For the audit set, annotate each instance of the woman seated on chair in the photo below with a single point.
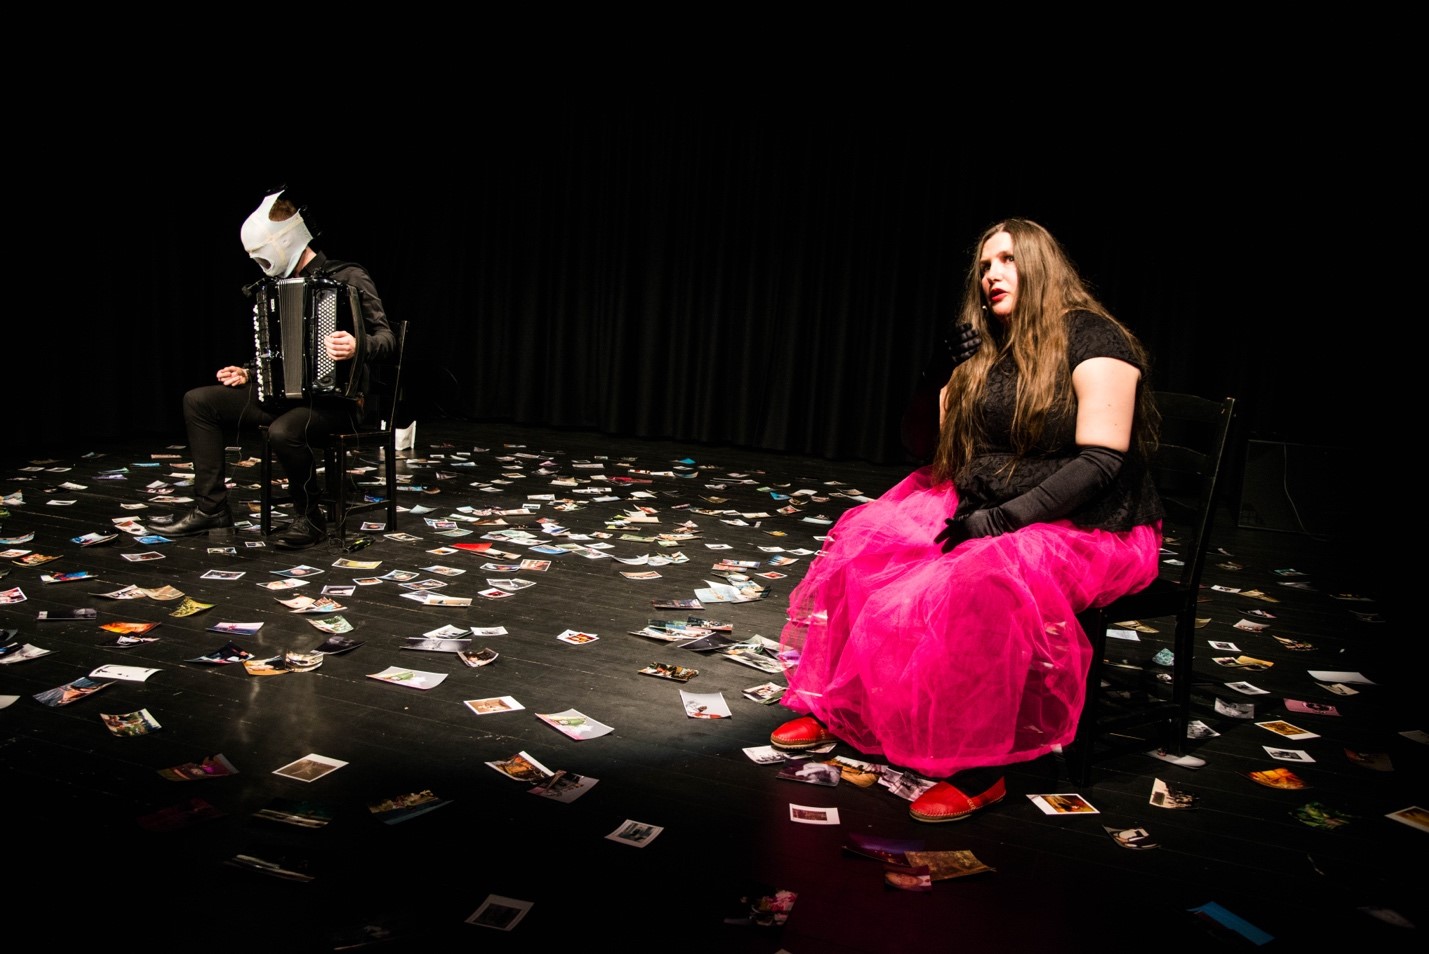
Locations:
(938, 627)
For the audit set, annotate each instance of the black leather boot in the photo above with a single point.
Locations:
(305, 531)
(196, 521)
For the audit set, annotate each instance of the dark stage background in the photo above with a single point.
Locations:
(759, 280)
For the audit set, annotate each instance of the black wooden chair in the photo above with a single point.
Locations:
(342, 499)
(1186, 468)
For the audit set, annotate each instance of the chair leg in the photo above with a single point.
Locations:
(391, 462)
(265, 482)
(1184, 643)
(337, 479)
(1079, 759)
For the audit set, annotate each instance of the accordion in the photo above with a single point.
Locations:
(291, 318)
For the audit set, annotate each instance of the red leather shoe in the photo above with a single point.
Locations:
(802, 733)
(945, 802)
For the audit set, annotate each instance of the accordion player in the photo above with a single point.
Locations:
(292, 317)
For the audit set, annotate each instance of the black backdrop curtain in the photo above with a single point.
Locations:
(766, 281)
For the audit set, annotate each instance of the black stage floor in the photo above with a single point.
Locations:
(89, 851)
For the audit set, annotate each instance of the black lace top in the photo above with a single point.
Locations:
(995, 474)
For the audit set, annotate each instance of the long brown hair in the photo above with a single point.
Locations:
(1048, 288)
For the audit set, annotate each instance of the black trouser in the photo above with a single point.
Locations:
(215, 414)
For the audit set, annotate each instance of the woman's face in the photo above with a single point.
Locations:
(999, 275)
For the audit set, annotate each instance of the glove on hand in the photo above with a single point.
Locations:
(960, 343)
(1060, 493)
(991, 522)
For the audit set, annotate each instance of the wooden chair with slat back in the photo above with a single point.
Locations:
(1186, 468)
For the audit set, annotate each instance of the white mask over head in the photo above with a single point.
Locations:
(275, 246)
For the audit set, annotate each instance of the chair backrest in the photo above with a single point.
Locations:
(1186, 468)
(387, 384)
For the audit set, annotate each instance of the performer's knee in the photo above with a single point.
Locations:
(199, 404)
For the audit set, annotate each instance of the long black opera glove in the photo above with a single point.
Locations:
(1060, 493)
(920, 418)
(960, 343)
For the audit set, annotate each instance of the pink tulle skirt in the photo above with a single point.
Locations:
(940, 662)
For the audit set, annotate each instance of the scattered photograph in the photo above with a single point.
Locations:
(811, 771)
(1235, 710)
(577, 638)
(476, 658)
(944, 865)
(1288, 755)
(401, 576)
(273, 869)
(810, 815)
(223, 656)
(500, 913)
(128, 629)
(765, 754)
(331, 624)
(1322, 675)
(564, 786)
(215, 766)
(1311, 708)
(1282, 778)
(1166, 795)
(297, 571)
(70, 692)
(493, 705)
(272, 666)
(1063, 804)
(635, 833)
(309, 768)
(1247, 689)
(1287, 730)
(890, 850)
(129, 724)
(125, 673)
(300, 814)
(766, 693)
(908, 877)
(669, 671)
(429, 645)
(1413, 816)
(66, 615)
(190, 607)
(522, 767)
(411, 678)
(392, 811)
(1137, 839)
(1196, 730)
(236, 629)
(758, 904)
(575, 724)
(1320, 815)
